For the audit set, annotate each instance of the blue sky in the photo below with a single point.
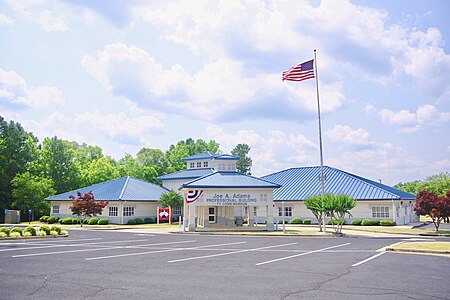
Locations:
(130, 74)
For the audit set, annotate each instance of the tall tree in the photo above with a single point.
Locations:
(57, 162)
(244, 164)
(100, 170)
(18, 149)
(29, 192)
(438, 184)
(153, 158)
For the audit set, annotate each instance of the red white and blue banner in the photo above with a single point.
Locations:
(163, 214)
(193, 195)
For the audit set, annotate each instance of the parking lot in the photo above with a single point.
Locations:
(117, 265)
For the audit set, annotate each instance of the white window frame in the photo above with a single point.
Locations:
(113, 211)
(177, 210)
(205, 164)
(128, 211)
(55, 209)
(287, 211)
(191, 165)
(380, 212)
(199, 164)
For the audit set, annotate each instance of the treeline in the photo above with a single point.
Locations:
(31, 171)
(437, 184)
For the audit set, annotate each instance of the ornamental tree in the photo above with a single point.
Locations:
(315, 204)
(171, 199)
(84, 205)
(434, 206)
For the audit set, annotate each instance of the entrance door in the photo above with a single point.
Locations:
(212, 215)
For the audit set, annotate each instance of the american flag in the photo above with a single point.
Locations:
(300, 72)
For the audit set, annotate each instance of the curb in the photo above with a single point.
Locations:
(33, 238)
(418, 251)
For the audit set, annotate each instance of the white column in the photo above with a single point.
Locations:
(191, 225)
(269, 214)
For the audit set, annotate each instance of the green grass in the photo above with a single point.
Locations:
(441, 246)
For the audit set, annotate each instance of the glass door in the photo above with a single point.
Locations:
(212, 215)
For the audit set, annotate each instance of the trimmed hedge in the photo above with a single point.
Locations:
(357, 222)
(30, 229)
(387, 223)
(16, 229)
(52, 220)
(55, 228)
(368, 222)
(93, 221)
(149, 221)
(44, 218)
(307, 221)
(5, 230)
(296, 221)
(45, 228)
(103, 221)
(131, 222)
(139, 221)
(336, 222)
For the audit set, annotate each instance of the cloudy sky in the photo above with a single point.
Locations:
(130, 74)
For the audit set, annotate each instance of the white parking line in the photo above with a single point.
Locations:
(301, 254)
(158, 251)
(368, 259)
(46, 242)
(69, 245)
(228, 253)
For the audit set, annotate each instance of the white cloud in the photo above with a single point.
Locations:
(425, 115)
(5, 20)
(14, 90)
(272, 152)
(369, 108)
(50, 23)
(347, 134)
(220, 90)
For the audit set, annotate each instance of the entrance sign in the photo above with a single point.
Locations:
(163, 214)
(235, 198)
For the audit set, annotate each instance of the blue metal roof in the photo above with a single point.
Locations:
(121, 189)
(210, 156)
(229, 180)
(299, 183)
(187, 174)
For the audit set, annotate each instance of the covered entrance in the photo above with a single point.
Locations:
(224, 198)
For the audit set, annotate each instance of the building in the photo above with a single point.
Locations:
(215, 193)
(129, 198)
(374, 200)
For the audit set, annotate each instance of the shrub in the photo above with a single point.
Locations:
(149, 221)
(335, 222)
(307, 221)
(41, 233)
(131, 222)
(66, 221)
(27, 233)
(139, 221)
(64, 232)
(45, 228)
(16, 229)
(2, 234)
(56, 228)
(280, 221)
(93, 221)
(375, 222)
(296, 221)
(44, 218)
(54, 233)
(51, 220)
(5, 230)
(356, 222)
(387, 223)
(367, 222)
(103, 221)
(30, 229)
(15, 234)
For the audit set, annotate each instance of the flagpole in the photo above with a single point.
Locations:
(320, 136)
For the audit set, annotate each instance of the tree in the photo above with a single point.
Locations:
(434, 206)
(336, 207)
(244, 164)
(29, 192)
(100, 170)
(153, 158)
(316, 205)
(84, 205)
(18, 149)
(438, 184)
(171, 200)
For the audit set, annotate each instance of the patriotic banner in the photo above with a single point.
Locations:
(193, 195)
(163, 214)
(300, 72)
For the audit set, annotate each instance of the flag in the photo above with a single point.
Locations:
(300, 72)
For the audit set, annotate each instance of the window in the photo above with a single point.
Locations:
(380, 212)
(205, 164)
(113, 211)
(176, 210)
(55, 209)
(191, 165)
(199, 164)
(230, 167)
(263, 197)
(128, 211)
(287, 211)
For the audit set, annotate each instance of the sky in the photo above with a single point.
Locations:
(124, 75)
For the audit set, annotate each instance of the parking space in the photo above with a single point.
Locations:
(110, 263)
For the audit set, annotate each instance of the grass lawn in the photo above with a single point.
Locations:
(441, 246)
